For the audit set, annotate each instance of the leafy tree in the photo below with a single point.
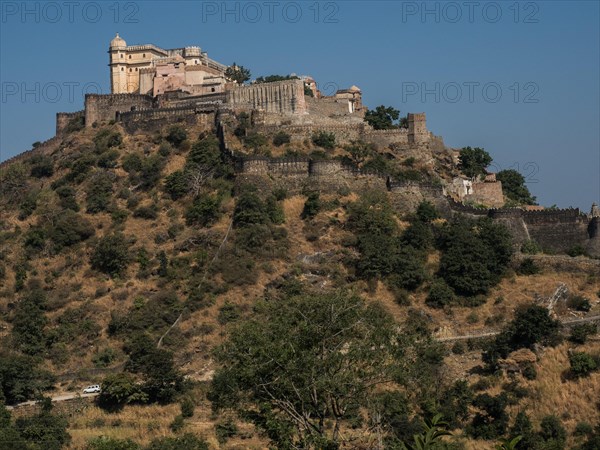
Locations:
(118, 390)
(553, 433)
(580, 333)
(473, 161)
(176, 135)
(474, 255)
(44, 430)
(426, 212)
(204, 211)
(582, 364)
(359, 151)
(249, 210)
(99, 192)
(492, 421)
(311, 206)
(382, 118)
(236, 73)
(177, 184)
(272, 78)
(29, 322)
(287, 356)
(523, 428)
(324, 139)
(111, 255)
(440, 295)
(513, 187)
(69, 229)
(20, 378)
(67, 199)
(455, 402)
(281, 138)
(41, 166)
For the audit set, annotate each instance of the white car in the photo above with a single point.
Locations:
(93, 389)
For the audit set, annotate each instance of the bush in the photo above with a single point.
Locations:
(579, 303)
(110, 443)
(249, 210)
(176, 184)
(69, 229)
(459, 348)
(41, 166)
(577, 250)
(528, 267)
(582, 364)
(225, 430)
(324, 139)
(311, 206)
(176, 135)
(106, 139)
(104, 357)
(118, 390)
(99, 192)
(580, 333)
(255, 141)
(281, 138)
(177, 424)
(132, 163)
(146, 212)
(440, 295)
(185, 442)
(531, 248)
(187, 407)
(67, 200)
(204, 211)
(111, 255)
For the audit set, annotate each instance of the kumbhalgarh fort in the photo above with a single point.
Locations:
(152, 87)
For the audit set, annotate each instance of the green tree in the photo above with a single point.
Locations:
(236, 73)
(29, 323)
(111, 255)
(324, 139)
(44, 430)
(513, 187)
(288, 356)
(311, 206)
(110, 443)
(177, 184)
(473, 161)
(382, 117)
(118, 390)
(176, 135)
(185, 442)
(582, 364)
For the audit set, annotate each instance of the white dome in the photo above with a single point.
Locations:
(118, 42)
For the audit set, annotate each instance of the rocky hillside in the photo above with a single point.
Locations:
(142, 263)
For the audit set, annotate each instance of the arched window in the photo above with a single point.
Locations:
(122, 69)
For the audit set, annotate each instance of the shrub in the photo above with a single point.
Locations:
(311, 206)
(99, 192)
(579, 303)
(528, 267)
(146, 212)
(176, 135)
(176, 184)
(106, 139)
(111, 255)
(249, 210)
(529, 371)
(582, 364)
(203, 211)
(255, 141)
(67, 200)
(440, 295)
(426, 212)
(577, 250)
(324, 139)
(459, 348)
(225, 430)
(132, 163)
(118, 390)
(281, 138)
(110, 443)
(187, 407)
(41, 166)
(104, 357)
(69, 229)
(185, 442)
(580, 333)
(531, 247)
(177, 424)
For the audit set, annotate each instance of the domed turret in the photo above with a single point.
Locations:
(118, 41)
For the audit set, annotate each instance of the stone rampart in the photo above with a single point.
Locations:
(63, 119)
(282, 97)
(104, 108)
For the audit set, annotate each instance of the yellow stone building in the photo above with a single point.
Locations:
(148, 69)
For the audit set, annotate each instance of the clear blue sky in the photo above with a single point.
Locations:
(521, 79)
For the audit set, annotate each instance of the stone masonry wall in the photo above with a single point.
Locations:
(104, 108)
(282, 97)
(63, 119)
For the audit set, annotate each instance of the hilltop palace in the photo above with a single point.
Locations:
(152, 87)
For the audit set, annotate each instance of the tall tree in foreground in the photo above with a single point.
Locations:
(302, 366)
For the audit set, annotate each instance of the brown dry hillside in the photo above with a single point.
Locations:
(105, 236)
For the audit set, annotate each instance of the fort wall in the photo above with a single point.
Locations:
(63, 120)
(104, 108)
(281, 97)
